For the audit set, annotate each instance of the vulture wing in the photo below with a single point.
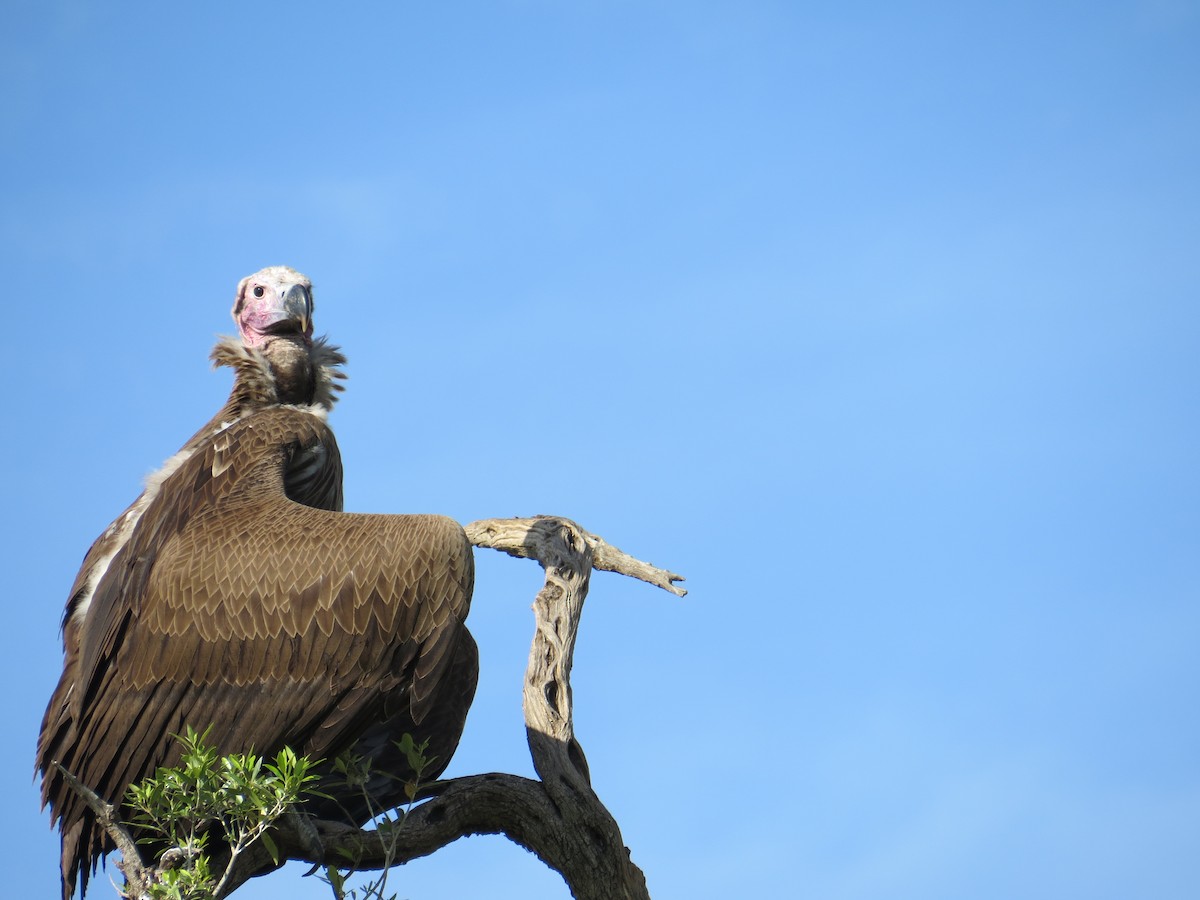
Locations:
(238, 602)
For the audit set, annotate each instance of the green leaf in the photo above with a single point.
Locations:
(269, 843)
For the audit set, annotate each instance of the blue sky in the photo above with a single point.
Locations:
(876, 321)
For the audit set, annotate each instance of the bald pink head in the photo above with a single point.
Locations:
(273, 301)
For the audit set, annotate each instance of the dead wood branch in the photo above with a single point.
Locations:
(138, 877)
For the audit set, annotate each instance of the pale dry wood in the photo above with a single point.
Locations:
(559, 818)
(138, 877)
(508, 535)
(600, 865)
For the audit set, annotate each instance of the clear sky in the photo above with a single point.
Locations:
(878, 321)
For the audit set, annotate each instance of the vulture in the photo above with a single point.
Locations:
(235, 593)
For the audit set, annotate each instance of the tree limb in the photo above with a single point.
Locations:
(138, 877)
(507, 535)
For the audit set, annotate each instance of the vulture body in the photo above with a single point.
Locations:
(235, 593)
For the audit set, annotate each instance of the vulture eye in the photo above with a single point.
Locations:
(258, 291)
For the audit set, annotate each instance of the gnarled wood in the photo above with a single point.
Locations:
(559, 817)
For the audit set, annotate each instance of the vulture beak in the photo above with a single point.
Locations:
(297, 307)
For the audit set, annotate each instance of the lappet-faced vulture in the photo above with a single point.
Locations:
(234, 593)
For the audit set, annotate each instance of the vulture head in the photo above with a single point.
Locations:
(274, 302)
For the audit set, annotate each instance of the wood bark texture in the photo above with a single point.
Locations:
(559, 817)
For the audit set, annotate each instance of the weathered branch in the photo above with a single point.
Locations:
(138, 877)
(507, 535)
(559, 817)
(597, 864)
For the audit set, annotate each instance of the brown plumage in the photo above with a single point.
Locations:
(235, 593)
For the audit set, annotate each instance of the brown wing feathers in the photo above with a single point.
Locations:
(236, 607)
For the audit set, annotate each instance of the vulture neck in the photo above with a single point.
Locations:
(286, 371)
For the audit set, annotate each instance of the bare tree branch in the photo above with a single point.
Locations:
(138, 876)
(507, 536)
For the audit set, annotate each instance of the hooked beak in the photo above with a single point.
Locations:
(298, 307)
